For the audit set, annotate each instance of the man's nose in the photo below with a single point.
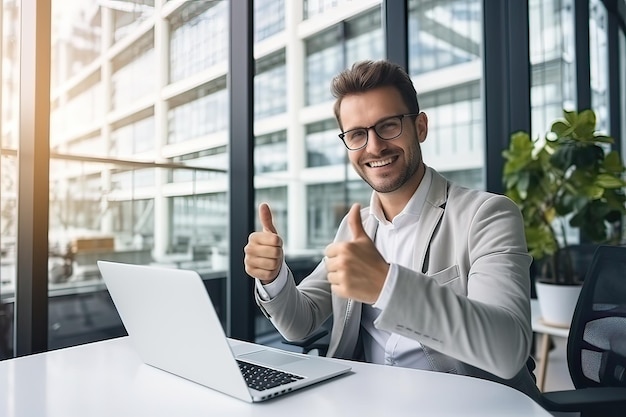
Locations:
(374, 143)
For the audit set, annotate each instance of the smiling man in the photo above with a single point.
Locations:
(430, 276)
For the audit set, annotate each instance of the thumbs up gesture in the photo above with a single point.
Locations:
(264, 251)
(355, 268)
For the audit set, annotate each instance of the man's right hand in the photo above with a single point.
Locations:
(264, 251)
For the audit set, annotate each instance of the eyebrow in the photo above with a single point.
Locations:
(378, 121)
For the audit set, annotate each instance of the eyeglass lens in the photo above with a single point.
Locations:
(387, 129)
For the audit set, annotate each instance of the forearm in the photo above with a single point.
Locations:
(483, 329)
(297, 311)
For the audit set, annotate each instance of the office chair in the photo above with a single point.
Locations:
(315, 342)
(318, 341)
(596, 346)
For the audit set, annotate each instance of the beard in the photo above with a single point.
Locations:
(389, 184)
(396, 180)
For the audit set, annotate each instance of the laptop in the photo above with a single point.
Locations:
(173, 326)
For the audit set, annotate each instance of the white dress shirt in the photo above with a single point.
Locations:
(395, 241)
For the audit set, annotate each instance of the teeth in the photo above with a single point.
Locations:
(376, 164)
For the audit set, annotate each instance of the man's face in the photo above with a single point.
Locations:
(386, 165)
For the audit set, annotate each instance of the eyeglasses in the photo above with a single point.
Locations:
(387, 129)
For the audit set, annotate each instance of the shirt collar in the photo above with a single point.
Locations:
(413, 207)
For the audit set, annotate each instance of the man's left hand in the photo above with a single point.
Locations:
(355, 268)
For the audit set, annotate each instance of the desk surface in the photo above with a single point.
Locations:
(107, 379)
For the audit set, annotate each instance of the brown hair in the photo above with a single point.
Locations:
(368, 75)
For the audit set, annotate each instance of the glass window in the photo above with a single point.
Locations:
(455, 137)
(198, 37)
(599, 64)
(313, 8)
(9, 141)
(323, 146)
(269, 18)
(327, 204)
(552, 53)
(553, 67)
(338, 47)
(128, 15)
(88, 145)
(78, 52)
(443, 34)
(270, 86)
(133, 138)
(134, 223)
(133, 73)
(445, 43)
(198, 112)
(138, 169)
(324, 59)
(199, 231)
(270, 152)
(78, 108)
(364, 37)
(211, 163)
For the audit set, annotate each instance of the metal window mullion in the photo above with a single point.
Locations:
(395, 29)
(506, 81)
(239, 294)
(31, 298)
(615, 87)
(583, 64)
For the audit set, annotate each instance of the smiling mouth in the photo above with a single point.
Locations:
(380, 163)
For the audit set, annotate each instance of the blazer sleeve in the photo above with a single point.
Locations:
(477, 310)
(296, 312)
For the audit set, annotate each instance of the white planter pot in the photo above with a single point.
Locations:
(557, 302)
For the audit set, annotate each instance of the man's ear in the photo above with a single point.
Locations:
(421, 126)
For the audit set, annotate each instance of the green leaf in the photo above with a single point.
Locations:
(522, 184)
(571, 117)
(613, 163)
(609, 181)
(603, 139)
(593, 192)
(561, 129)
(585, 126)
(587, 156)
(563, 157)
(587, 117)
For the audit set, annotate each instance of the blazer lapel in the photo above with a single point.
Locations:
(347, 314)
(430, 218)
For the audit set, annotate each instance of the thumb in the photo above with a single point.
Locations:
(354, 221)
(265, 215)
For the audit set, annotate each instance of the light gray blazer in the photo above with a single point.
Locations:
(467, 301)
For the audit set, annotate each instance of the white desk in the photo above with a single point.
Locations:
(546, 330)
(107, 379)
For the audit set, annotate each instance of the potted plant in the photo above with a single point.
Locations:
(566, 177)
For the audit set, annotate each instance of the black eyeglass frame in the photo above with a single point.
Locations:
(367, 130)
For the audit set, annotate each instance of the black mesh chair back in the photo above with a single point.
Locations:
(596, 346)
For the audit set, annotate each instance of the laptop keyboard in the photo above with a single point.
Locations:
(261, 378)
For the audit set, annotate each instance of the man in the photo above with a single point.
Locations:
(430, 276)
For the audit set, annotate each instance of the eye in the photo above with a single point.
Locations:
(356, 135)
(388, 125)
